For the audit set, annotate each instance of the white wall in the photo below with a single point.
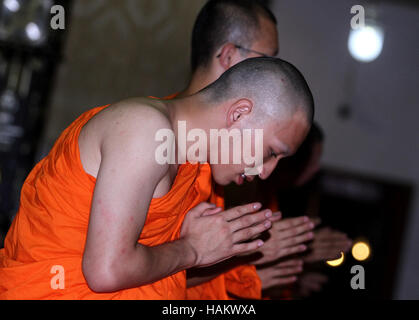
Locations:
(381, 137)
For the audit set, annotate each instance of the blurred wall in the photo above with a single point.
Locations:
(120, 49)
(381, 136)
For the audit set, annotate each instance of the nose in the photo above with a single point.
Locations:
(268, 167)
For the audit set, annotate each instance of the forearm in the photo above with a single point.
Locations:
(197, 276)
(144, 265)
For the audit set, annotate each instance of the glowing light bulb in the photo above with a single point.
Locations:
(366, 43)
(361, 251)
(33, 32)
(12, 5)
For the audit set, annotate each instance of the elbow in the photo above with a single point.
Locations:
(99, 278)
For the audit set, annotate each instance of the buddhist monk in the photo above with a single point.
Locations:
(102, 217)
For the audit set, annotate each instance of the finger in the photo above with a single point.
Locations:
(285, 281)
(332, 236)
(209, 212)
(317, 277)
(292, 250)
(292, 241)
(322, 255)
(295, 231)
(330, 233)
(337, 246)
(282, 272)
(250, 232)
(289, 223)
(276, 216)
(239, 211)
(290, 263)
(200, 208)
(248, 247)
(312, 286)
(250, 220)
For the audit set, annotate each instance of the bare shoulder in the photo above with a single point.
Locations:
(136, 115)
(124, 129)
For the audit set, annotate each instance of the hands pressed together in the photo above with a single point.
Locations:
(213, 235)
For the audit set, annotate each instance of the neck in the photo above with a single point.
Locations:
(200, 79)
(190, 113)
(190, 109)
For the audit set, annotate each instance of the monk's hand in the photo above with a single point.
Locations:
(310, 282)
(286, 237)
(327, 245)
(280, 274)
(214, 235)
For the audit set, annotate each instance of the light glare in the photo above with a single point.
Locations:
(12, 5)
(361, 251)
(336, 262)
(366, 43)
(33, 31)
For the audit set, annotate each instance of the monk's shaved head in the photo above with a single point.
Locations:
(226, 21)
(276, 88)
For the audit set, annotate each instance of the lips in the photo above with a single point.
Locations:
(239, 180)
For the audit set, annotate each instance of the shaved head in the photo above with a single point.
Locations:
(226, 21)
(276, 88)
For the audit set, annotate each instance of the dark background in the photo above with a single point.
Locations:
(111, 50)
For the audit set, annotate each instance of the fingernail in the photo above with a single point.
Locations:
(268, 214)
(303, 247)
(260, 243)
(257, 206)
(311, 235)
(277, 214)
(306, 219)
(267, 224)
(311, 225)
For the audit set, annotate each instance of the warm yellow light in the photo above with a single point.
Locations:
(336, 262)
(361, 251)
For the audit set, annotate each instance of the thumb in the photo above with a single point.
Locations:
(210, 211)
(198, 210)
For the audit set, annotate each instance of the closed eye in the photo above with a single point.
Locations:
(274, 155)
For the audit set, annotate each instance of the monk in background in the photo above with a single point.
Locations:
(118, 224)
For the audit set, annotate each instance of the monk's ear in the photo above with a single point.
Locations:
(227, 56)
(238, 110)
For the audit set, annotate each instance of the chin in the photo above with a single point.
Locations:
(220, 179)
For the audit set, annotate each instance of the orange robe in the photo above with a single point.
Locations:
(241, 282)
(50, 227)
